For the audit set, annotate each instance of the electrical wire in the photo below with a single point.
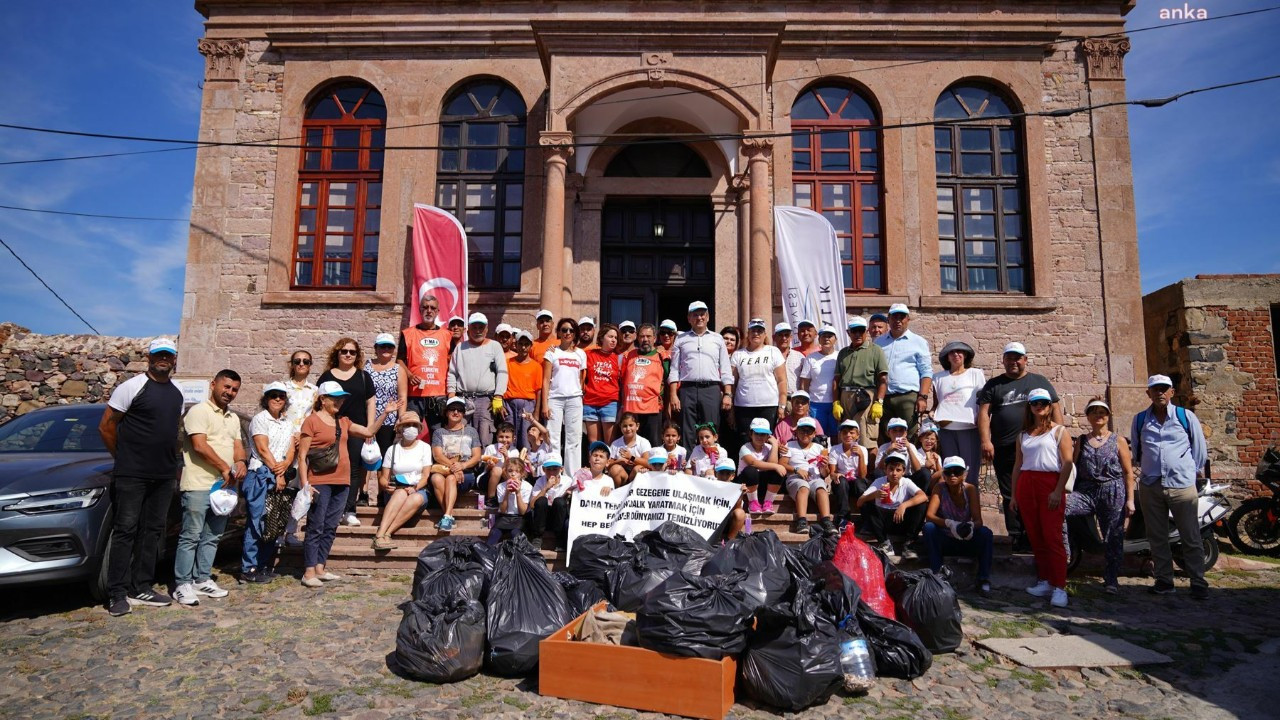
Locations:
(91, 215)
(46, 286)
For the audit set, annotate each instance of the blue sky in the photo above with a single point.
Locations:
(1206, 168)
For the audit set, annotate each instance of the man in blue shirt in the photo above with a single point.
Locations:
(1171, 451)
(910, 369)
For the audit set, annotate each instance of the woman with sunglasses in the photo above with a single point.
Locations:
(390, 384)
(563, 376)
(345, 361)
(302, 392)
(270, 455)
(953, 523)
(1040, 472)
(1105, 484)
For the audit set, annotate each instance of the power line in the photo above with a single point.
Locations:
(91, 215)
(46, 286)
(274, 142)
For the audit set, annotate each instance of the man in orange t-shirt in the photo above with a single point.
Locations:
(423, 352)
(524, 388)
(544, 320)
(644, 375)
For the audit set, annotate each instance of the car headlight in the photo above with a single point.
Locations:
(57, 501)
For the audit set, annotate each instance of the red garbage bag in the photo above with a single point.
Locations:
(856, 559)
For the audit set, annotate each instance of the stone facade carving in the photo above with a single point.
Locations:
(224, 58)
(1105, 57)
(757, 147)
(557, 143)
(654, 62)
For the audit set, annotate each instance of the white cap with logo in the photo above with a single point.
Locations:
(162, 344)
(384, 339)
(477, 318)
(1015, 347)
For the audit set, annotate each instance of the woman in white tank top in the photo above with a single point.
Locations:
(1040, 474)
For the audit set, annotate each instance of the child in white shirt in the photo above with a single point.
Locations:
(495, 457)
(807, 466)
(703, 459)
(677, 457)
(628, 452)
(848, 468)
(552, 495)
(513, 496)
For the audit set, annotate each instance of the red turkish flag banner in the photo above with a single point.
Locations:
(439, 262)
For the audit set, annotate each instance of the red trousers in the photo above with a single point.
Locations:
(1044, 526)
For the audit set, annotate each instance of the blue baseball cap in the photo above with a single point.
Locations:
(597, 445)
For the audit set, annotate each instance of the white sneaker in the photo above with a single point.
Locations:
(1059, 598)
(1040, 589)
(886, 547)
(329, 577)
(185, 594)
(210, 588)
(352, 520)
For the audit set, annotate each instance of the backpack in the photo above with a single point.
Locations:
(1141, 418)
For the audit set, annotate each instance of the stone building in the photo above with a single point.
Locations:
(1215, 337)
(618, 159)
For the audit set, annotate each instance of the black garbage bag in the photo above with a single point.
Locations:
(581, 594)
(441, 640)
(678, 544)
(820, 546)
(763, 558)
(442, 553)
(798, 564)
(638, 573)
(593, 556)
(485, 555)
(837, 595)
(897, 650)
(446, 569)
(696, 616)
(792, 660)
(524, 605)
(926, 602)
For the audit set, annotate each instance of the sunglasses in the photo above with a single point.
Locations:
(348, 352)
(564, 330)
(1039, 403)
(162, 355)
(453, 408)
(301, 362)
(276, 396)
(857, 331)
(380, 347)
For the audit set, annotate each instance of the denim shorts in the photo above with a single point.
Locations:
(601, 413)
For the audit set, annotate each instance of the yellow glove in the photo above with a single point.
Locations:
(877, 411)
(497, 405)
(837, 410)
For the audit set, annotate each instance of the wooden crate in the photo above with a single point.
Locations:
(634, 677)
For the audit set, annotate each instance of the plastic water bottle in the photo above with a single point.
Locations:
(855, 663)
(747, 528)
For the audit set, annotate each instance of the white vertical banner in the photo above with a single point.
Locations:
(809, 269)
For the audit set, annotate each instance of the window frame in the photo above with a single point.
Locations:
(362, 266)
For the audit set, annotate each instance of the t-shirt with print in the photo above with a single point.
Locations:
(604, 378)
(507, 504)
(810, 457)
(703, 462)
(407, 463)
(848, 464)
(820, 371)
(958, 398)
(147, 436)
(566, 371)
(1008, 400)
(638, 447)
(456, 444)
(322, 436)
(756, 386)
(904, 492)
(536, 455)
(748, 450)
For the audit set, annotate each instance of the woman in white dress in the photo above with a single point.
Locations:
(955, 406)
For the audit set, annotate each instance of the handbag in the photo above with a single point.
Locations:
(277, 513)
(325, 460)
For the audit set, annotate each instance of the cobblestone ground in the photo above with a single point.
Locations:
(283, 651)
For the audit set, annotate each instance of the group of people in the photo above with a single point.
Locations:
(868, 434)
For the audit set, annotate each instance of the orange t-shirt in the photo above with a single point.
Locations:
(524, 379)
(642, 377)
(427, 356)
(322, 436)
(540, 347)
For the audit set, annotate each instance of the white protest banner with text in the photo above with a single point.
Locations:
(591, 513)
(699, 504)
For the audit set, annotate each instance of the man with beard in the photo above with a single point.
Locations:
(423, 354)
(644, 374)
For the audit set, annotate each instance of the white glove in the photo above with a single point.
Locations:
(951, 528)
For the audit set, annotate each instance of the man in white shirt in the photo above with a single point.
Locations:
(700, 384)
(791, 357)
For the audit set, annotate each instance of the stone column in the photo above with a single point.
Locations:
(559, 148)
(739, 192)
(1117, 228)
(759, 152)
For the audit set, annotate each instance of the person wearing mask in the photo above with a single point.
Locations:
(1104, 486)
(327, 475)
(861, 377)
(586, 333)
(878, 326)
(701, 383)
(1040, 472)
(390, 384)
(955, 405)
(644, 375)
(1171, 453)
(792, 359)
(1001, 408)
(423, 352)
(545, 322)
(403, 478)
(456, 450)
(359, 404)
(271, 453)
(953, 523)
(524, 387)
(478, 374)
(759, 384)
(818, 378)
(732, 338)
(140, 430)
(667, 332)
(910, 378)
(213, 456)
(626, 338)
(785, 430)
(563, 375)
(603, 387)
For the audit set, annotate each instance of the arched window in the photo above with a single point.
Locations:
(340, 188)
(481, 177)
(982, 229)
(835, 170)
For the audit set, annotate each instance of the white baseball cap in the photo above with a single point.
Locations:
(954, 461)
(626, 324)
(1039, 394)
(658, 456)
(761, 426)
(457, 319)
(543, 313)
(827, 330)
(805, 321)
(524, 334)
(754, 323)
(668, 325)
(162, 344)
(455, 400)
(857, 321)
(586, 320)
(800, 394)
(1098, 403)
(897, 423)
(552, 460)
(503, 328)
(899, 308)
(384, 339)
(850, 423)
(807, 422)
(222, 501)
(697, 305)
(782, 327)
(332, 388)
(1015, 347)
(896, 455)
(275, 386)
(477, 318)
(1159, 380)
(725, 465)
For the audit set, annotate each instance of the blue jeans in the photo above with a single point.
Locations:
(322, 523)
(942, 544)
(198, 541)
(257, 553)
(824, 413)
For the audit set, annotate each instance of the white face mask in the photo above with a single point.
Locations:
(410, 433)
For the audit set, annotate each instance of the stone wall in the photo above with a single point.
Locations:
(42, 370)
(1213, 336)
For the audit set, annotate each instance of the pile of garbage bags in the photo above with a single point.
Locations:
(803, 621)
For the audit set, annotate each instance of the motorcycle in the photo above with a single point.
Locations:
(1083, 534)
(1255, 526)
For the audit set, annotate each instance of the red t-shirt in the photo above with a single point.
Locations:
(604, 373)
